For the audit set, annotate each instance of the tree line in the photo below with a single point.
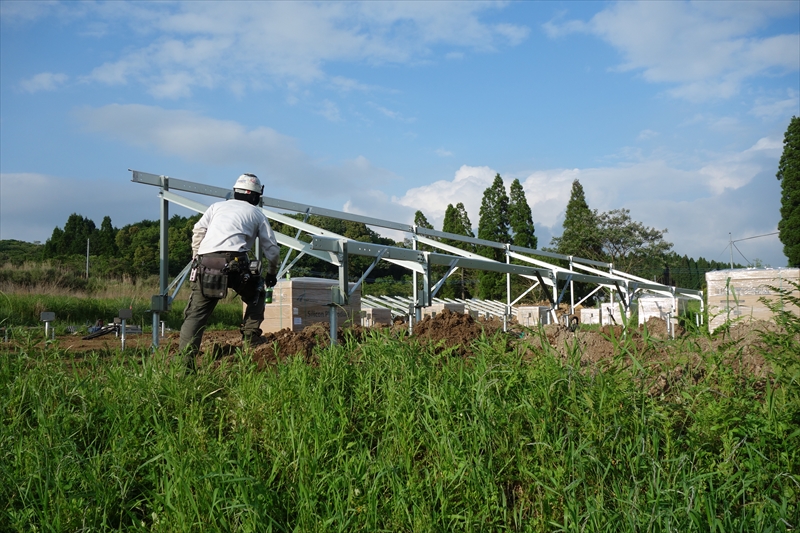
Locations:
(505, 217)
(131, 251)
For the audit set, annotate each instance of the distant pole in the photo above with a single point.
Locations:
(730, 244)
(87, 258)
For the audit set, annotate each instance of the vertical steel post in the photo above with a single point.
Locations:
(163, 246)
(334, 327)
(340, 292)
(675, 309)
(424, 296)
(571, 291)
(611, 307)
(414, 295)
(702, 310)
(155, 329)
(508, 290)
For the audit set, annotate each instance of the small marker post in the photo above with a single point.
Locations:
(47, 317)
(124, 314)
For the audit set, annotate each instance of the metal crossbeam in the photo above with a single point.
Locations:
(334, 249)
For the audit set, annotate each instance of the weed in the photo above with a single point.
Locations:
(392, 435)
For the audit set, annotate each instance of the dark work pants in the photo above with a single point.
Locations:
(195, 318)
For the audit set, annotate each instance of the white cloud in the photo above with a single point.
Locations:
(699, 206)
(558, 27)
(615, 186)
(441, 152)
(394, 115)
(32, 217)
(723, 124)
(14, 12)
(728, 175)
(377, 204)
(205, 44)
(514, 33)
(347, 84)
(714, 195)
(719, 124)
(773, 108)
(421, 24)
(732, 171)
(646, 135)
(467, 186)
(330, 111)
(173, 85)
(45, 81)
(708, 49)
(196, 138)
(118, 72)
(547, 193)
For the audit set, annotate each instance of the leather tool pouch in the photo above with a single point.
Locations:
(213, 276)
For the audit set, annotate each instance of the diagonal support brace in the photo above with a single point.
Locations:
(564, 290)
(621, 295)
(549, 297)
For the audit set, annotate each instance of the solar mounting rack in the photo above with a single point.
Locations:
(336, 249)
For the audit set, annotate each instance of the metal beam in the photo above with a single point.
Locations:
(181, 185)
(208, 190)
(336, 249)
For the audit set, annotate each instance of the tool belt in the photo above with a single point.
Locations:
(219, 270)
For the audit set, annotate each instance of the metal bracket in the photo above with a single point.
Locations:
(424, 295)
(564, 290)
(338, 248)
(621, 295)
(366, 273)
(549, 297)
(453, 268)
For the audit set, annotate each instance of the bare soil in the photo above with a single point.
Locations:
(741, 347)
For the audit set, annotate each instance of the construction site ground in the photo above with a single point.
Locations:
(741, 347)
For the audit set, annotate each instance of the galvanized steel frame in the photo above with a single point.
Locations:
(335, 249)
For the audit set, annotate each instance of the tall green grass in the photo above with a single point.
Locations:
(24, 310)
(388, 435)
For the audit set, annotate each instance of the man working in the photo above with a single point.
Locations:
(220, 242)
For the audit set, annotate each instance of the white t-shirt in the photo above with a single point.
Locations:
(232, 226)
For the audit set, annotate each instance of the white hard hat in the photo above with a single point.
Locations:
(248, 182)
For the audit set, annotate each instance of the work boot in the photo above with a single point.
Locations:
(253, 340)
(189, 363)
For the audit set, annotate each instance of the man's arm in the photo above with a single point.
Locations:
(199, 231)
(270, 250)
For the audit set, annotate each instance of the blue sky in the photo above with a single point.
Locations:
(674, 110)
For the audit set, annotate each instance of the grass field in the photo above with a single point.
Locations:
(24, 310)
(388, 435)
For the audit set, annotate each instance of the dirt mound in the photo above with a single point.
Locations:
(657, 328)
(280, 345)
(741, 347)
(449, 330)
(744, 340)
(593, 346)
